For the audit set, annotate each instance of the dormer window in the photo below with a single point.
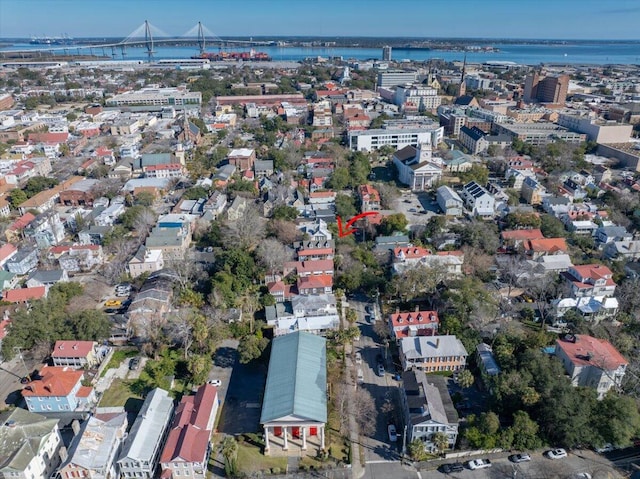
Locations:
(410, 318)
(419, 317)
(400, 320)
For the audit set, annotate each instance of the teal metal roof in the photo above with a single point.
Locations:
(297, 378)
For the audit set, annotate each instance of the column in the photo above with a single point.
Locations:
(266, 438)
(284, 434)
(322, 437)
(304, 437)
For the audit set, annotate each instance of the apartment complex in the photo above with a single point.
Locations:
(157, 97)
(397, 138)
(549, 89)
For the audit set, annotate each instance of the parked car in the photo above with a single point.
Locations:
(517, 458)
(558, 453)
(479, 464)
(134, 363)
(605, 448)
(215, 382)
(583, 475)
(380, 370)
(113, 303)
(358, 358)
(393, 436)
(453, 467)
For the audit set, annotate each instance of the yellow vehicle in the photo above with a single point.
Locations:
(527, 298)
(113, 303)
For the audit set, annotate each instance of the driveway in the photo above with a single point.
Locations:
(241, 391)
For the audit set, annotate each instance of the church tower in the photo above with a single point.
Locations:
(462, 90)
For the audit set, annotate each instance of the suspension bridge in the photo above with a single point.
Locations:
(146, 36)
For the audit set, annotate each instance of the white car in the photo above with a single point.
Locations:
(393, 435)
(479, 464)
(358, 358)
(558, 453)
(215, 382)
(360, 376)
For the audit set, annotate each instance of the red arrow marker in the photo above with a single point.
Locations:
(347, 229)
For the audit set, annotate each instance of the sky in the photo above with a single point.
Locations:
(529, 19)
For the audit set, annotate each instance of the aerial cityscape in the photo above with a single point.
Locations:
(346, 240)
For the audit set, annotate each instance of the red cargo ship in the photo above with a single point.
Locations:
(250, 56)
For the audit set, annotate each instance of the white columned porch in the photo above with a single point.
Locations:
(284, 434)
(304, 437)
(266, 438)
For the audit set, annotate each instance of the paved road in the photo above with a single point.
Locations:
(10, 374)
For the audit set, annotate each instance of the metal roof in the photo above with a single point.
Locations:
(149, 427)
(297, 379)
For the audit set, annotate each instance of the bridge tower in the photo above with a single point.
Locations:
(148, 39)
(201, 38)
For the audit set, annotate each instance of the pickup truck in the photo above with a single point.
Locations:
(479, 464)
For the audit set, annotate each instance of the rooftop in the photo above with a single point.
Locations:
(590, 351)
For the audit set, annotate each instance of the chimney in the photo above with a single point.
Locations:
(417, 308)
(397, 310)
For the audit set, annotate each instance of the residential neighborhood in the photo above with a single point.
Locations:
(332, 267)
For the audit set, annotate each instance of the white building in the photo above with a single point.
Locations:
(29, 445)
(146, 261)
(417, 168)
(478, 199)
(449, 201)
(397, 138)
(157, 97)
(391, 78)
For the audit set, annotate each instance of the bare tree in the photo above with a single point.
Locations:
(285, 231)
(366, 414)
(187, 270)
(247, 230)
(273, 254)
(541, 290)
(144, 222)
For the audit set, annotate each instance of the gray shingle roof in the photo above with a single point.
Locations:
(297, 379)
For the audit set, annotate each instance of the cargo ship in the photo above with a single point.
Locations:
(250, 56)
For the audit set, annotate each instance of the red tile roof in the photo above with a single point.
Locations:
(315, 281)
(84, 392)
(54, 381)
(322, 194)
(24, 294)
(4, 328)
(415, 318)
(7, 250)
(58, 250)
(411, 252)
(315, 251)
(521, 235)
(603, 354)
(547, 245)
(594, 271)
(22, 222)
(72, 349)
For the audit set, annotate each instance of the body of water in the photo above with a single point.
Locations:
(527, 54)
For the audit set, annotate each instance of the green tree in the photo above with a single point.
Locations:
(617, 419)
(229, 451)
(417, 451)
(284, 212)
(525, 432)
(195, 193)
(340, 179)
(477, 173)
(145, 198)
(37, 184)
(522, 220)
(552, 227)
(345, 206)
(392, 223)
(17, 197)
(251, 347)
(465, 378)
(198, 366)
(441, 441)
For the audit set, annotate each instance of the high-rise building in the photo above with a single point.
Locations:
(550, 89)
(386, 53)
(392, 78)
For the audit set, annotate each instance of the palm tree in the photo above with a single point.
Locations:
(465, 378)
(229, 450)
(441, 441)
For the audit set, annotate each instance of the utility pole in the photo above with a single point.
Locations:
(26, 371)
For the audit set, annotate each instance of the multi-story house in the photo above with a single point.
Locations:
(29, 445)
(536, 248)
(93, 452)
(448, 262)
(417, 323)
(449, 201)
(532, 191)
(433, 353)
(145, 261)
(57, 389)
(591, 362)
(24, 261)
(142, 447)
(186, 452)
(315, 284)
(428, 409)
(314, 250)
(590, 280)
(315, 313)
(478, 199)
(242, 158)
(76, 258)
(76, 354)
(369, 198)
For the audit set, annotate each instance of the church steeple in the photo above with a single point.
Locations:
(462, 90)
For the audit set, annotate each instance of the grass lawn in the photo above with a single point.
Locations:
(118, 356)
(118, 394)
(251, 459)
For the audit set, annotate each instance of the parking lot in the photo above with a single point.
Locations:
(240, 392)
(417, 207)
(577, 462)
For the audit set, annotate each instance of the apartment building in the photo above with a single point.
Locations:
(397, 138)
(433, 353)
(157, 97)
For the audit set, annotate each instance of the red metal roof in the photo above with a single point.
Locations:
(54, 381)
(7, 250)
(603, 354)
(24, 294)
(22, 222)
(521, 235)
(72, 349)
(403, 320)
(315, 281)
